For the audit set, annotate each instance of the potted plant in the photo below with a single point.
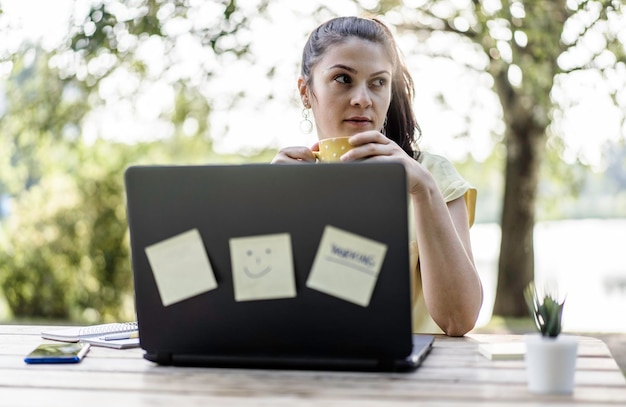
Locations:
(550, 357)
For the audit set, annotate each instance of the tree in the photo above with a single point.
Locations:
(66, 251)
(527, 47)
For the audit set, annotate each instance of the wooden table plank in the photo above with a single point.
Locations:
(322, 389)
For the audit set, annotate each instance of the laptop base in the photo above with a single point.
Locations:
(422, 344)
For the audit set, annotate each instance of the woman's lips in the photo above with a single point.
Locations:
(358, 121)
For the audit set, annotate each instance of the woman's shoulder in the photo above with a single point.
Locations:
(429, 159)
(440, 167)
(451, 184)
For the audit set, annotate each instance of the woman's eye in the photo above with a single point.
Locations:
(342, 78)
(380, 82)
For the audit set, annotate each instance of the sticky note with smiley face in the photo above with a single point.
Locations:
(262, 267)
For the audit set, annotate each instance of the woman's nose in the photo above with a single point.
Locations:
(361, 96)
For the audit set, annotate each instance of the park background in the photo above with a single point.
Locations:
(90, 87)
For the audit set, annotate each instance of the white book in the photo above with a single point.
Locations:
(74, 334)
(503, 351)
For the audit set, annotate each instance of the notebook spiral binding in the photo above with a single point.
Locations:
(115, 327)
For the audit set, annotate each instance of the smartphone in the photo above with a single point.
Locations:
(58, 353)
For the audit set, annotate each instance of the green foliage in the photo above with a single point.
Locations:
(67, 253)
(64, 250)
(545, 309)
(42, 113)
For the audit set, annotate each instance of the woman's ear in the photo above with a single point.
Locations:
(303, 89)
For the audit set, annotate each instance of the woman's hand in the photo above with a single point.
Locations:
(374, 146)
(295, 155)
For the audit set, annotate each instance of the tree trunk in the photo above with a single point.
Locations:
(524, 144)
(516, 263)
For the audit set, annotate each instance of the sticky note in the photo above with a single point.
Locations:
(346, 266)
(181, 267)
(262, 267)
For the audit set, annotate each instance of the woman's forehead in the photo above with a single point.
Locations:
(355, 52)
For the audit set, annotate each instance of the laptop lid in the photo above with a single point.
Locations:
(272, 265)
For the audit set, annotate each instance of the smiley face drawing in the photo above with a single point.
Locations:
(258, 262)
(262, 267)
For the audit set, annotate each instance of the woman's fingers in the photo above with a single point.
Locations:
(294, 154)
(370, 144)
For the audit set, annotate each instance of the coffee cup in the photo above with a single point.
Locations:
(331, 149)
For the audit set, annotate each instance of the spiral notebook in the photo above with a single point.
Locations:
(75, 334)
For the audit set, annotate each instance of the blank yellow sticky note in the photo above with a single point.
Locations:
(347, 266)
(181, 267)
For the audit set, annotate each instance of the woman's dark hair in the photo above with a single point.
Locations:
(401, 125)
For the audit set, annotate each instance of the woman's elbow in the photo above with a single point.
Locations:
(458, 329)
(460, 323)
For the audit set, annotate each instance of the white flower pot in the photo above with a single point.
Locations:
(550, 363)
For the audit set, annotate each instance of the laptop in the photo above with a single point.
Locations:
(273, 266)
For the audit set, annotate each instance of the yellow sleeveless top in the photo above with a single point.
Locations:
(452, 186)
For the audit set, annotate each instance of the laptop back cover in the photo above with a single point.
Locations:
(223, 204)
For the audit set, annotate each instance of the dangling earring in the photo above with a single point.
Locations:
(306, 125)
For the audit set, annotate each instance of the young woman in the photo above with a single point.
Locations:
(356, 84)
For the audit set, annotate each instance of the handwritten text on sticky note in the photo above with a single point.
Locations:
(346, 266)
(181, 267)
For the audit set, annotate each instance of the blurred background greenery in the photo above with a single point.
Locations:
(64, 251)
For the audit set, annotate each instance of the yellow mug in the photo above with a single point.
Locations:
(331, 149)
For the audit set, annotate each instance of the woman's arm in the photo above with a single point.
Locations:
(451, 286)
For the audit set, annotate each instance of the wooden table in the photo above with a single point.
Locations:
(454, 374)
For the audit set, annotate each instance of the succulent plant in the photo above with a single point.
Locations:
(546, 310)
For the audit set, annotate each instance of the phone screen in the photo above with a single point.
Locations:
(58, 353)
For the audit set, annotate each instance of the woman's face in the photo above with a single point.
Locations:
(350, 89)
